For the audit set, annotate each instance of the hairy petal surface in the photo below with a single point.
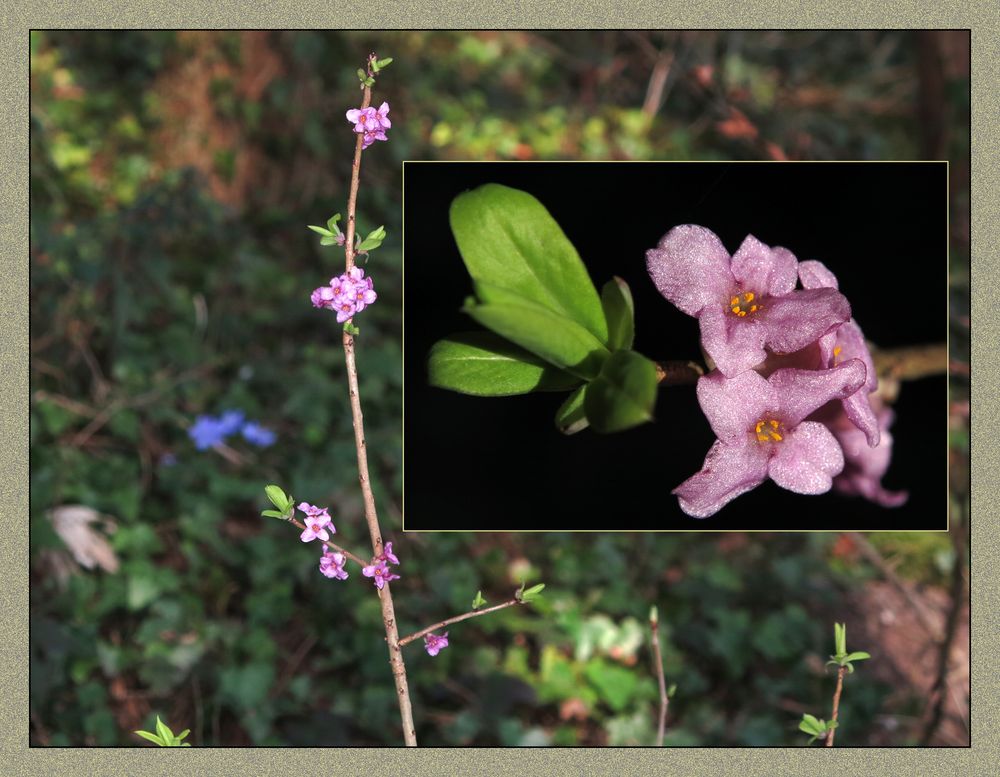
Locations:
(729, 470)
(801, 317)
(762, 269)
(735, 344)
(807, 460)
(690, 267)
(733, 405)
(815, 275)
(800, 392)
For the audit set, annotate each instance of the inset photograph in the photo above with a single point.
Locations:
(666, 346)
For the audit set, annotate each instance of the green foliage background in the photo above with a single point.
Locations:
(172, 176)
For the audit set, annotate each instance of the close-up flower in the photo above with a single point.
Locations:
(761, 431)
(317, 522)
(435, 643)
(331, 564)
(380, 574)
(744, 303)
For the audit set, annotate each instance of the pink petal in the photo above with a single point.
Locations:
(807, 459)
(852, 344)
(729, 470)
(308, 535)
(859, 410)
(353, 115)
(733, 405)
(815, 275)
(800, 392)
(800, 317)
(762, 269)
(690, 267)
(735, 344)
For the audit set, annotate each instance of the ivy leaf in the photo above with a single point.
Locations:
(623, 395)
(619, 310)
(570, 417)
(554, 338)
(486, 365)
(509, 240)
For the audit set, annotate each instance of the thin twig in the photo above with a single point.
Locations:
(912, 362)
(678, 373)
(371, 516)
(334, 546)
(463, 617)
(836, 704)
(654, 630)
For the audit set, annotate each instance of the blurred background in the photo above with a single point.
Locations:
(172, 176)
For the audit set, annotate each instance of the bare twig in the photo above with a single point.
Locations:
(678, 373)
(910, 363)
(836, 704)
(371, 516)
(654, 630)
(463, 617)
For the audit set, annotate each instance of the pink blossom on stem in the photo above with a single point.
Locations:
(332, 564)
(435, 644)
(387, 555)
(743, 303)
(762, 433)
(865, 466)
(317, 522)
(380, 574)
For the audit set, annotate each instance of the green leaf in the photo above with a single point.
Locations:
(272, 513)
(183, 734)
(151, 737)
(320, 230)
(384, 63)
(362, 75)
(508, 239)
(479, 601)
(840, 638)
(277, 496)
(570, 417)
(811, 725)
(331, 223)
(369, 81)
(532, 593)
(623, 395)
(858, 656)
(351, 329)
(616, 684)
(486, 365)
(557, 340)
(619, 310)
(327, 241)
(164, 731)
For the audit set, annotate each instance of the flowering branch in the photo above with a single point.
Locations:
(332, 545)
(371, 516)
(654, 629)
(463, 617)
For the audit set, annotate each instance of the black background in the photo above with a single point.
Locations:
(474, 463)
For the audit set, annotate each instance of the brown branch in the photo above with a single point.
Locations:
(356, 559)
(654, 630)
(371, 516)
(678, 373)
(463, 617)
(836, 704)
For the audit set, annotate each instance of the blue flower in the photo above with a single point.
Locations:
(231, 421)
(206, 432)
(258, 435)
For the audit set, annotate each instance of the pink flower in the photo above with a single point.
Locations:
(435, 644)
(761, 431)
(370, 123)
(323, 297)
(865, 466)
(380, 572)
(332, 564)
(317, 520)
(387, 555)
(744, 303)
(843, 343)
(348, 294)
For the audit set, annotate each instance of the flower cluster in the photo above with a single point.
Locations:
(790, 397)
(379, 570)
(370, 123)
(348, 294)
(208, 431)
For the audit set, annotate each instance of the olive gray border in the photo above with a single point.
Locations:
(19, 16)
